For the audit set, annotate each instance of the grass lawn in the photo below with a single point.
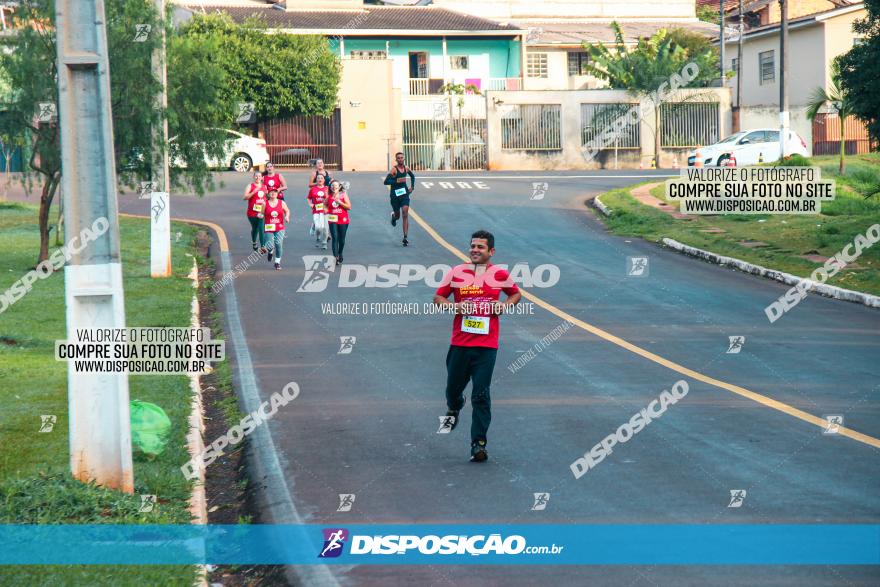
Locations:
(787, 238)
(35, 484)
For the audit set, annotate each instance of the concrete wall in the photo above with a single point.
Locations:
(367, 116)
(501, 9)
(572, 156)
(768, 117)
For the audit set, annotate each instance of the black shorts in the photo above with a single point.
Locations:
(398, 202)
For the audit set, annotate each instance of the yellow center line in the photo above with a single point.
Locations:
(741, 391)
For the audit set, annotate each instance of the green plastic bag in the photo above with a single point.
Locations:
(149, 427)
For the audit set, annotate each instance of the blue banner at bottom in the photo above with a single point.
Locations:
(434, 544)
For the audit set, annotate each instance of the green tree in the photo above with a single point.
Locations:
(860, 70)
(839, 100)
(280, 74)
(708, 13)
(28, 65)
(651, 68)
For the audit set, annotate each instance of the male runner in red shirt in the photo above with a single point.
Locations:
(477, 288)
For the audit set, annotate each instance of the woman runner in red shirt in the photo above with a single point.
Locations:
(337, 217)
(255, 194)
(274, 181)
(277, 213)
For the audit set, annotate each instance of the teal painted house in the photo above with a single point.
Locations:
(428, 46)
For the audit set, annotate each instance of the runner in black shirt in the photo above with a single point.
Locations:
(400, 193)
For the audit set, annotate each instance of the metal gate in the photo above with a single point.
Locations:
(826, 135)
(295, 141)
(446, 133)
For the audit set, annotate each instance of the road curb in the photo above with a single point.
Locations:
(198, 503)
(830, 291)
(601, 207)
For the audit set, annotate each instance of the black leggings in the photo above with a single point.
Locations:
(337, 233)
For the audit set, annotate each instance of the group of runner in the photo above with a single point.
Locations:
(476, 299)
(268, 214)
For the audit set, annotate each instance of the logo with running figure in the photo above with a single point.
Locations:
(334, 541)
(346, 501)
(737, 497)
(539, 190)
(637, 266)
(736, 344)
(446, 424)
(47, 422)
(346, 345)
(833, 424)
(541, 500)
(318, 270)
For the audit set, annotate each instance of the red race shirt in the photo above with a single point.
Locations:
(274, 217)
(318, 197)
(256, 205)
(272, 182)
(336, 213)
(479, 329)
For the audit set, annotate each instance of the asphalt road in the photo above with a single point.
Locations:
(365, 422)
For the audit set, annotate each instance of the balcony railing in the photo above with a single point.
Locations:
(418, 86)
(503, 83)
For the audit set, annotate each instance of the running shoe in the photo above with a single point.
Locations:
(393, 219)
(255, 245)
(277, 266)
(405, 241)
(339, 259)
(263, 250)
(478, 451)
(324, 246)
(270, 256)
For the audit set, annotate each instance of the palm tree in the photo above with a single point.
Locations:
(837, 97)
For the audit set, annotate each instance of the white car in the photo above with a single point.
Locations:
(750, 147)
(242, 153)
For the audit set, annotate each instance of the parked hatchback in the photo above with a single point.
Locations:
(241, 153)
(749, 147)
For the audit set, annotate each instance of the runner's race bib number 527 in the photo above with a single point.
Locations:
(400, 192)
(269, 228)
(475, 324)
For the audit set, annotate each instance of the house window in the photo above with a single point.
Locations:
(536, 65)
(767, 67)
(369, 55)
(458, 62)
(577, 62)
(734, 65)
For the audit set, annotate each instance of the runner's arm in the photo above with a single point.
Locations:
(286, 211)
(389, 179)
(412, 177)
(345, 202)
(283, 183)
(247, 192)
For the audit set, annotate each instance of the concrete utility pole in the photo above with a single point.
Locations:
(783, 79)
(160, 201)
(721, 30)
(100, 428)
(739, 69)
